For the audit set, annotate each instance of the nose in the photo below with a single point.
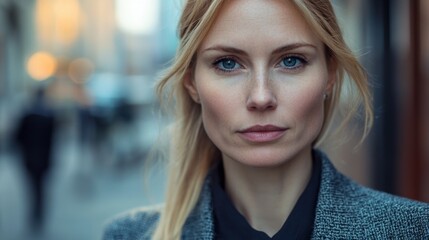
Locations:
(261, 96)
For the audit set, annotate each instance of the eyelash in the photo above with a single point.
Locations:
(217, 62)
(302, 62)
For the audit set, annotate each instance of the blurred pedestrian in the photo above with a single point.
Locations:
(34, 137)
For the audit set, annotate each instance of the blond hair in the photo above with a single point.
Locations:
(192, 152)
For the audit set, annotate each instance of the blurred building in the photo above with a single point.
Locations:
(390, 36)
(100, 56)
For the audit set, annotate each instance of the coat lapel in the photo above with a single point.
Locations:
(336, 210)
(199, 225)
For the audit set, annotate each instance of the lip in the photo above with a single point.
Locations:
(262, 133)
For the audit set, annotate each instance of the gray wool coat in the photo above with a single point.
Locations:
(345, 210)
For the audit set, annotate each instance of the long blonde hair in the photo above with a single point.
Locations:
(192, 152)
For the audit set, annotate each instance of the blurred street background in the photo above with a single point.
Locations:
(79, 116)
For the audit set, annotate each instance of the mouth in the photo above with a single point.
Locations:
(262, 133)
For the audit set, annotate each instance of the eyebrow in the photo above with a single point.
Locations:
(276, 51)
(293, 46)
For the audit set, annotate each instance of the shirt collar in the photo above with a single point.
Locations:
(230, 224)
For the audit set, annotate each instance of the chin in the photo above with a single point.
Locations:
(265, 158)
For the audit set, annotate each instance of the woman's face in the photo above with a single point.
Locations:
(260, 77)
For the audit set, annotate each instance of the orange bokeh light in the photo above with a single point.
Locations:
(58, 21)
(41, 65)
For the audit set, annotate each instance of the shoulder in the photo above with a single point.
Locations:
(372, 213)
(135, 224)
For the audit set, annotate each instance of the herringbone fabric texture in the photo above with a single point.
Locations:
(345, 210)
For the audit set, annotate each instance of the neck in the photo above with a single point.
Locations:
(265, 196)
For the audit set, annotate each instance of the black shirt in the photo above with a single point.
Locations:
(230, 224)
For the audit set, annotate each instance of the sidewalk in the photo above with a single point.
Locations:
(78, 202)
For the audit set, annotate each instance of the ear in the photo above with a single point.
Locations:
(189, 84)
(332, 74)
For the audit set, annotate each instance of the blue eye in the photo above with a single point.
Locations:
(292, 62)
(227, 64)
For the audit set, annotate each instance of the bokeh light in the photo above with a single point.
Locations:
(138, 16)
(80, 70)
(58, 22)
(41, 66)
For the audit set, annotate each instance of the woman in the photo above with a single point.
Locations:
(255, 83)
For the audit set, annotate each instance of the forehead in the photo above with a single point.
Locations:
(269, 22)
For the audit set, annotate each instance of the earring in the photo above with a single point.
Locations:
(325, 96)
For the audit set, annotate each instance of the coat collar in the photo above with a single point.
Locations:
(336, 207)
(200, 223)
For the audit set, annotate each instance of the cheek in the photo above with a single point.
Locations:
(307, 109)
(218, 98)
(211, 106)
(217, 106)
